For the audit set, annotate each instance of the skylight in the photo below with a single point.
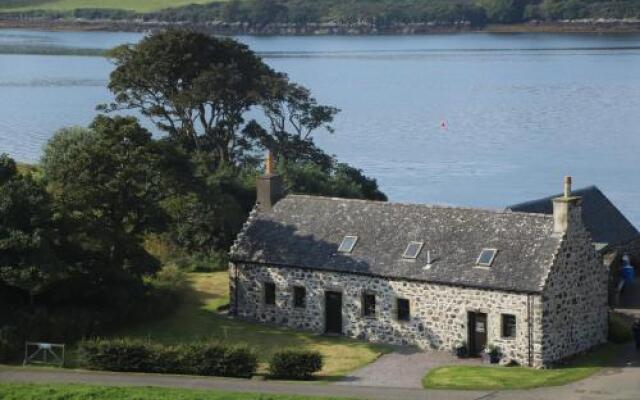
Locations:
(486, 257)
(413, 250)
(348, 243)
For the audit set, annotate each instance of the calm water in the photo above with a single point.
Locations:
(522, 110)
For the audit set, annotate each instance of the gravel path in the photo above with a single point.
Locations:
(404, 368)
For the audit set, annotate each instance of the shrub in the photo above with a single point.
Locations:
(619, 329)
(202, 358)
(219, 360)
(215, 261)
(240, 362)
(295, 364)
(118, 355)
(10, 343)
(460, 350)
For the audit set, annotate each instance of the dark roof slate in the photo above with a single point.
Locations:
(305, 231)
(603, 220)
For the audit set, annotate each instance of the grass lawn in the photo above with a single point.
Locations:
(197, 318)
(496, 378)
(11, 391)
(66, 5)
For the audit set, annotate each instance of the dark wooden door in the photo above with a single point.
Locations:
(477, 333)
(333, 312)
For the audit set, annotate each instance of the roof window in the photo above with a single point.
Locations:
(413, 250)
(486, 257)
(348, 243)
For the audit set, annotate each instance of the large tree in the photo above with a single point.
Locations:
(107, 184)
(194, 86)
(293, 115)
(27, 236)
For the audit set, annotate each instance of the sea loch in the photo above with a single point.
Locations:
(481, 120)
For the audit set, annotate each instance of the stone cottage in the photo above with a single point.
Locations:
(430, 276)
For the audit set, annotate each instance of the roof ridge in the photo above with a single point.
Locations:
(505, 211)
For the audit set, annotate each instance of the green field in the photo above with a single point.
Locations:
(67, 5)
(500, 378)
(197, 318)
(11, 391)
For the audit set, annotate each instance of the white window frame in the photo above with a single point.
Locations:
(350, 249)
(493, 257)
(406, 257)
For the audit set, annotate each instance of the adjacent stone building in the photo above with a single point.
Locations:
(612, 234)
(430, 276)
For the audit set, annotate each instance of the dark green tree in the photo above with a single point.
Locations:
(27, 236)
(504, 11)
(107, 184)
(341, 180)
(194, 86)
(293, 115)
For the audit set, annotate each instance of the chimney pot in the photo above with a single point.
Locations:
(270, 187)
(567, 186)
(566, 209)
(269, 163)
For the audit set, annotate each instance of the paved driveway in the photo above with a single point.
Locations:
(403, 368)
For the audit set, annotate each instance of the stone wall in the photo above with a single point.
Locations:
(575, 301)
(438, 312)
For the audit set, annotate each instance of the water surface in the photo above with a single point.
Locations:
(521, 110)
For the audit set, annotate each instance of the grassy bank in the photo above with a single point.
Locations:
(501, 378)
(498, 378)
(10, 391)
(68, 5)
(198, 318)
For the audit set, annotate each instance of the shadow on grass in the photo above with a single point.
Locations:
(609, 355)
(197, 318)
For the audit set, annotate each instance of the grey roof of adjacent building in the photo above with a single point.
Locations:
(306, 231)
(602, 219)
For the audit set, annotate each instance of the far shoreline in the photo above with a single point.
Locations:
(328, 29)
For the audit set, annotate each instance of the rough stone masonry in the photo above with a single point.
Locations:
(546, 282)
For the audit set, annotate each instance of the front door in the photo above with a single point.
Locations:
(333, 312)
(477, 333)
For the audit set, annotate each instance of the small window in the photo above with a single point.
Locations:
(404, 312)
(369, 305)
(269, 293)
(413, 250)
(486, 257)
(347, 245)
(508, 326)
(299, 297)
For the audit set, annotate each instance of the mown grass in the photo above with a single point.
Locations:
(14, 391)
(129, 5)
(198, 318)
(501, 378)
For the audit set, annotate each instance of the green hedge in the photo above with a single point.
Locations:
(203, 358)
(295, 364)
(619, 329)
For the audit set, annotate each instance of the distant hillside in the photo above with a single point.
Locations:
(142, 6)
(288, 16)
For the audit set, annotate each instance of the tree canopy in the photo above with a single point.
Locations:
(77, 234)
(107, 185)
(195, 87)
(27, 236)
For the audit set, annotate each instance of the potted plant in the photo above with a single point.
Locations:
(460, 350)
(494, 354)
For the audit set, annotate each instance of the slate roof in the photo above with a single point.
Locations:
(603, 220)
(305, 231)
